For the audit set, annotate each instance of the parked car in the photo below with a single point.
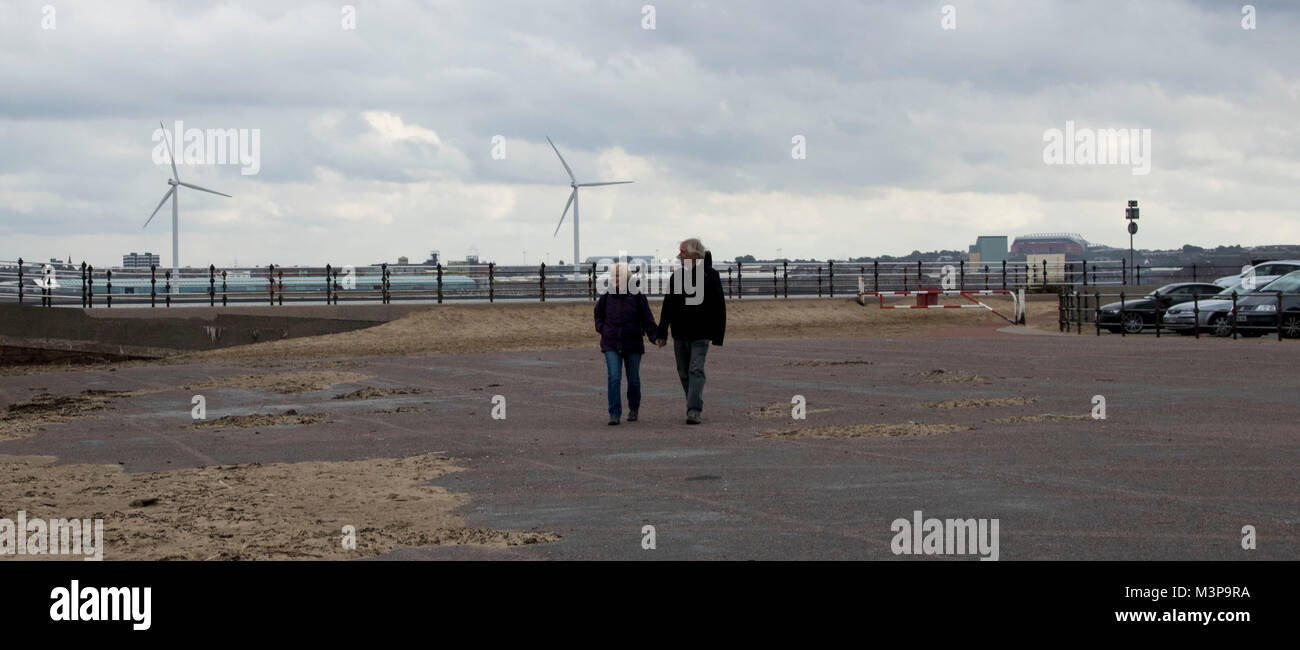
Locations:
(1215, 312)
(1139, 313)
(1258, 314)
(1264, 273)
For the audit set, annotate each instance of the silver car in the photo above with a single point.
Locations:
(1264, 273)
(1215, 311)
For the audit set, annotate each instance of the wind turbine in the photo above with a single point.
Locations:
(172, 193)
(573, 200)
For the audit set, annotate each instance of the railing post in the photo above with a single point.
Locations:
(1123, 271)
(1096, 314)
(334, 280)
(1122, 333)
(1085, 273)
(986, 276)
(541, 280)
(830, 272)
(153, 284)
(270, 282)
(819, 280)
(83, 284)
(492, 281)
(920, 275)
(729, 293)
(212, 285)
(1234, 315)
(328, 268)
(20, 280)
(875, 275)
(1279, 315)
(1193, 272)
(90, 286)
(108, 289)
(1004, 275)
(383, 283)
(167, 287)
(785, 278)
(1137, 268)
(439, 283)
(1196, 315)
(775, 294)
(223, 288)
(280, 275)
(961, 277)
(1044, 274)
(740, 280)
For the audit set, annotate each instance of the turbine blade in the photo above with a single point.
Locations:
(566, 165)
(166, 196)
(610, 183)
(566, 211)
(196, 187)
(175, 174)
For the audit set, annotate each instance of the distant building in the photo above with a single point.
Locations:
(989, 249)
(140, 260)
(403, 260)
(1069, 244)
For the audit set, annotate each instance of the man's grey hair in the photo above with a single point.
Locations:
(694, 246)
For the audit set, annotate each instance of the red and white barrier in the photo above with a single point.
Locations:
(1017, 300)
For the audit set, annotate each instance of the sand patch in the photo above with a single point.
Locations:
(253, 512)
(460, 328)
(290, 416)
(942, 376)
(370, 392)
(23, 418)
(1043, 417)
(820, 363)
(401, 409)
(302, 381)
(777, 410)
(980, 402)
(907, 429)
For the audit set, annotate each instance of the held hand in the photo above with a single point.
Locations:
(661, 342)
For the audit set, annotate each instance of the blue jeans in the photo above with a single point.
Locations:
(614, 371)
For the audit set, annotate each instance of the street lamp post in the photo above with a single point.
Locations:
(1131, 213)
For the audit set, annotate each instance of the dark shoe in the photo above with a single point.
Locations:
(692, 417)
(631, 416)
(613, 421)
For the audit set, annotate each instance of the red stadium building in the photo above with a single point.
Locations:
(1071, 244)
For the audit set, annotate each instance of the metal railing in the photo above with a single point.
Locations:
(1080, 310)
(52, 284)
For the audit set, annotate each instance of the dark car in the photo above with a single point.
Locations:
(1259, 312)
(1139, 313)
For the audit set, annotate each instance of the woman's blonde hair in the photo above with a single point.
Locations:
(618, 275)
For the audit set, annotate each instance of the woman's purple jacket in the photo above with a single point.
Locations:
(622, 320)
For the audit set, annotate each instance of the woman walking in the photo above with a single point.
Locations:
(624, 320)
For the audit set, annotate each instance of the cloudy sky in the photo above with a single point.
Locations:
(378, 141)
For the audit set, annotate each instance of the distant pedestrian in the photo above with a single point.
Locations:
(623, 317)
(695, 321)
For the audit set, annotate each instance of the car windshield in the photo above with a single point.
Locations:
(1289, 283)
(1238, 288)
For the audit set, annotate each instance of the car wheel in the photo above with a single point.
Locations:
(1220, 325)
(1291, 327)
(1133, 323)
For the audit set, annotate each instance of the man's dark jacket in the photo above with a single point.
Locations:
(622, 319)
(706, 320)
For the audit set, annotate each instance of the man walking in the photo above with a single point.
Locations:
(694, 322)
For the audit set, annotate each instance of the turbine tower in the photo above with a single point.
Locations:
(573, 200)
(172, 193)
